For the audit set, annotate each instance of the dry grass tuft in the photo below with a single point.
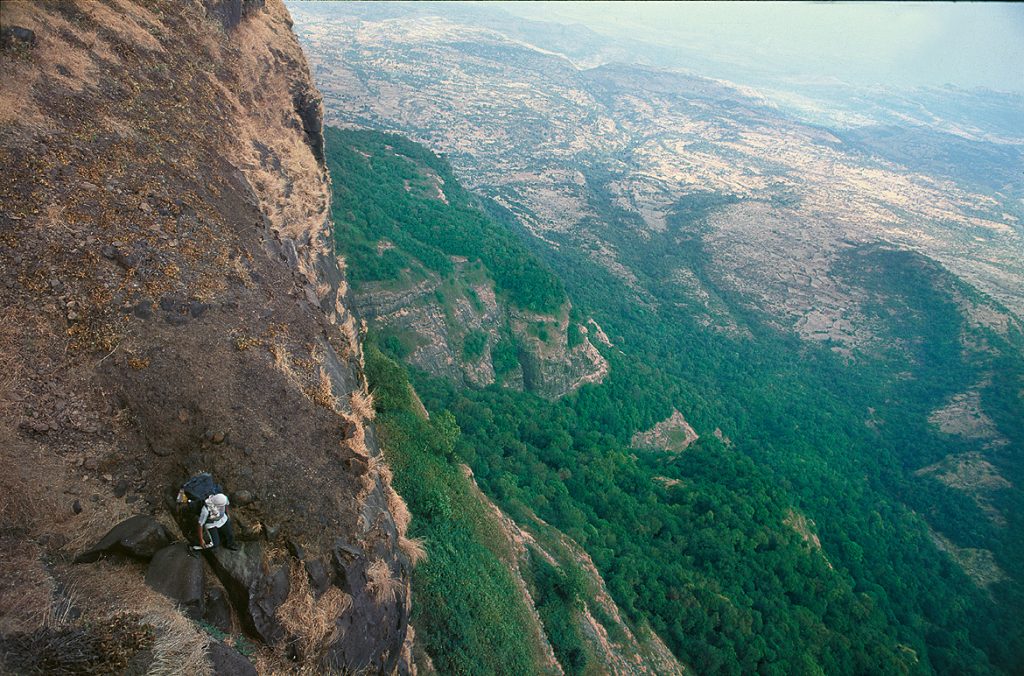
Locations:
(414, 548)
(26, 589)
(399, 511)
(92, 524)
(362, 405)
(350, 334)
(238, 269)
(408, 645)
(110, 588)
(312, 621)
(243, 343)
(22, 503)
(281, 357)
(368, 482)
(10, 364)
(382, 585)
(180, 646)
(322, 393)
(356, 441)
(98, 648)
(126, 26)
(380, 467)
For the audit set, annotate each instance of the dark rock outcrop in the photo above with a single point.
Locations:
(365, 628)
(318, 578)
(226, 661)
(140, 537)
(17, 36)
(255, 593)
(309, 106)
(231, 12)
(179, 575)
(218, 609)
(242, 498)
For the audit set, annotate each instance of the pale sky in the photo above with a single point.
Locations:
(965, 44)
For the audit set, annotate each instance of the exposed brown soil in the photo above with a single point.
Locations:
(171, 301)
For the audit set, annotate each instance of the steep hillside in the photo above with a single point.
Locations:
(452, 291)
(536, 602)
(599, 159)
(173, 304)
(839, 326)
(431, 271)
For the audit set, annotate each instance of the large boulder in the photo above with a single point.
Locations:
(226, 661)
(369, 626)
(256, 592)
(140, 537)
(180, 576)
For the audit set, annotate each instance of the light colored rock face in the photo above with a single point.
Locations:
(979, 564)
(528, 126)
(805, 528)
(438, 336)
(963, 416)
(673, 434)
(551, 368)
(438, 332)
(481, 315)
(972, 474)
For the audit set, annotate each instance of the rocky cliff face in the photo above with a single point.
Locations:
(173, 304)
(439, 322)
(553, 364)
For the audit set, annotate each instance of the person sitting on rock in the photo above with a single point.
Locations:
(214, 523)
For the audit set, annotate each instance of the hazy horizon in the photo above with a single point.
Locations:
(897, 44)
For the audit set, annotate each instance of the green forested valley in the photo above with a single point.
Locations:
(385, 182)
(800, 534)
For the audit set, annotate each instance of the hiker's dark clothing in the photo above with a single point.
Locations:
(225, 532)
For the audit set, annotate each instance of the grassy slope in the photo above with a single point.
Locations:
(466, 606)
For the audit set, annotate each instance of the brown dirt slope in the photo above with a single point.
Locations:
(172, 304)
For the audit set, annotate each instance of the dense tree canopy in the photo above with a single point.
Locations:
(714, 548)
(391, 191)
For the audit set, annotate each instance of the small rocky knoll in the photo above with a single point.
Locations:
(673, 434)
